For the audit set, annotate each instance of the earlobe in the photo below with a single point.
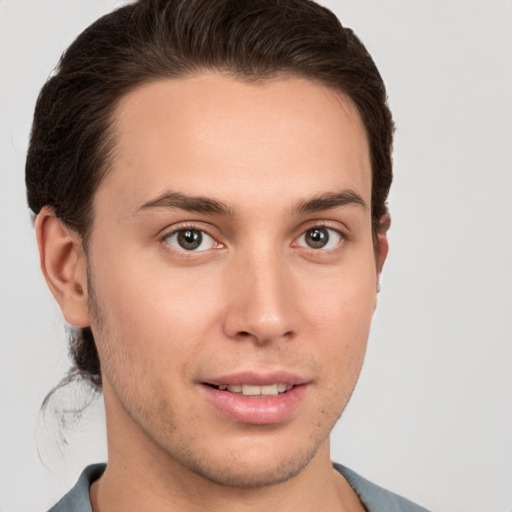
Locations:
(63, 263)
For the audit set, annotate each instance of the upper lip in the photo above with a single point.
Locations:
(258, 379)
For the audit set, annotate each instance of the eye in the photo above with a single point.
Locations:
(320, 237)
(190, 240)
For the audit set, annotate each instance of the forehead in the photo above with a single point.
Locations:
(212, 135)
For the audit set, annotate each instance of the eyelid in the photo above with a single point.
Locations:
(340, 233)
(175, 229)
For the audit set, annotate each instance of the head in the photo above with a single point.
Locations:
(223, 59)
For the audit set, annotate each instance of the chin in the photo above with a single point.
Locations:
(247, 474)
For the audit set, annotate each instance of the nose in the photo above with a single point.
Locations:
(261, 305)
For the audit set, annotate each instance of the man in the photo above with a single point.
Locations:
(210, 183)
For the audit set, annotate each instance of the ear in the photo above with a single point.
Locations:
(63, 263)
(381, 245)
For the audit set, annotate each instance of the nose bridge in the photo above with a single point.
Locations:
(260, 304)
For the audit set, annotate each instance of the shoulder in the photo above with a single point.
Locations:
(77, 500)
(375, 498)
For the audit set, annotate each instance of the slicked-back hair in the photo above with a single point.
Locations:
(72, 138)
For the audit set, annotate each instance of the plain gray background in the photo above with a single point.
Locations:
(432, 415)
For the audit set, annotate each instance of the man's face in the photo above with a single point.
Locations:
(232, 274)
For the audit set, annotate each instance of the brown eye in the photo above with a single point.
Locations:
(320, 238)
(317, 238)
(190, 240)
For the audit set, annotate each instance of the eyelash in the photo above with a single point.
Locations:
(183, 229)
(342, 239)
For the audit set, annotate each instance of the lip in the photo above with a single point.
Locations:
(257, 379)
(257, 410)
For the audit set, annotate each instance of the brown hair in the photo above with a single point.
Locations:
(149, 40)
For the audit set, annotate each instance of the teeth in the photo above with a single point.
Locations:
(269, 390)
(250, 390)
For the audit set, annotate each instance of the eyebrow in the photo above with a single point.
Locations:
(200, 204)
(328, 201)
(196, 204)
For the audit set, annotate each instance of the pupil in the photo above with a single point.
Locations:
(190, 239)
(317, 238)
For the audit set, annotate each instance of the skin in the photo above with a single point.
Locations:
(254, 297)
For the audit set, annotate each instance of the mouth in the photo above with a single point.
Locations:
(257, 398)
(252, 390)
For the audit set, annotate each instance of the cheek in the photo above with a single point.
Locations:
(344, 302)
(153, 309)
(339, 316)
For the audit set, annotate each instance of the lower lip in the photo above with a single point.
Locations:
(257, 410)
